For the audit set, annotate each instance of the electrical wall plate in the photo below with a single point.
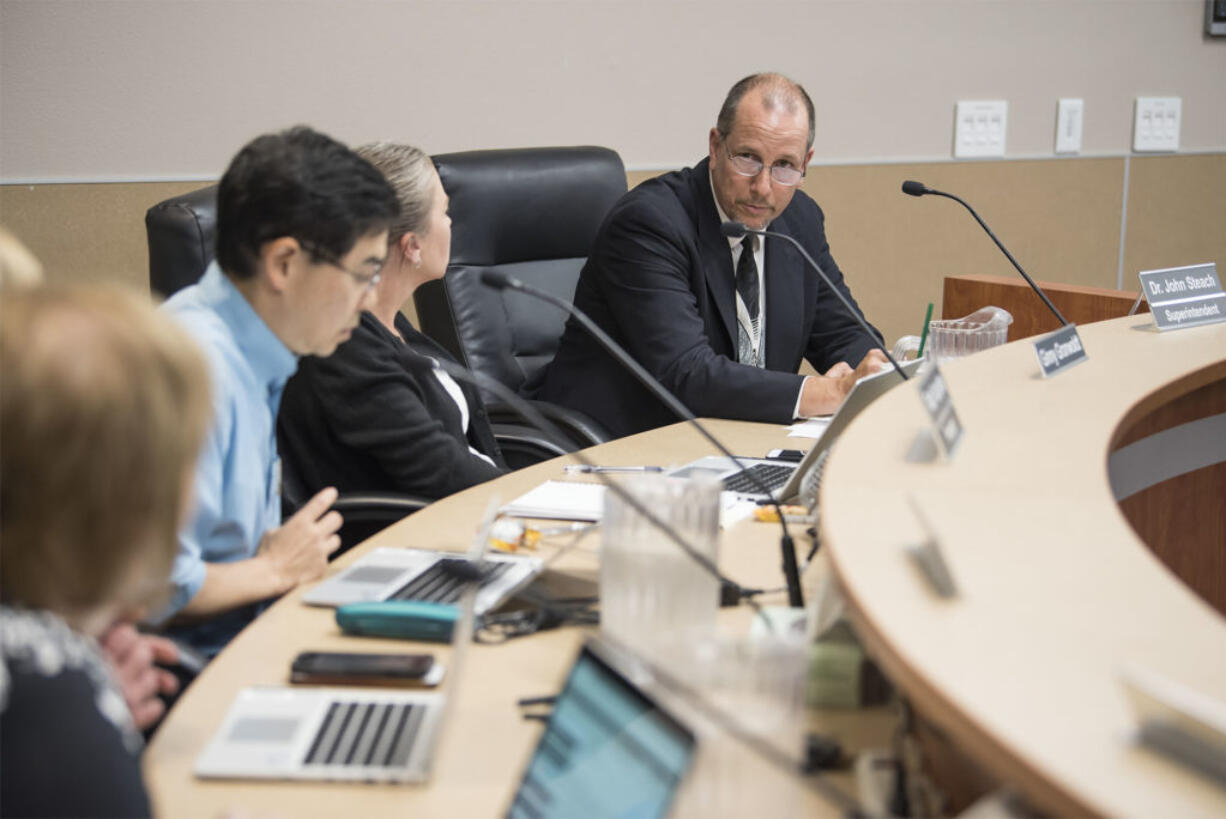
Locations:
(979, 128)
(1069, 118)
(1156, 125)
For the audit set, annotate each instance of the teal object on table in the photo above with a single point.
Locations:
(402, 619)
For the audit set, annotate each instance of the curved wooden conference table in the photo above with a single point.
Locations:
(486, 744)
(1058, 591)
(1021, 671)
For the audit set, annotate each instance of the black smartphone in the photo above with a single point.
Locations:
(345, 668)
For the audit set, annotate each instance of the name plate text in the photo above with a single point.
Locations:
(1184, 296)
(1059, 350)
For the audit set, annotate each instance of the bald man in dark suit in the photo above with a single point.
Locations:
(723, 329)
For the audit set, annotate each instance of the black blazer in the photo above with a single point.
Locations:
(660, 282)
(373, 417)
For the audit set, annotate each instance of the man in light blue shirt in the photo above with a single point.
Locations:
(301, 237)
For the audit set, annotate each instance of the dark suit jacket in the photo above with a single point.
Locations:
(373, 417)
(660, 282)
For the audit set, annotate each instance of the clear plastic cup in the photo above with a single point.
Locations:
(650, 589)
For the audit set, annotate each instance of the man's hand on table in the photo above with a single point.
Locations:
(823, 394)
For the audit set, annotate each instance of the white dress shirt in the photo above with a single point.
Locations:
(757, 336)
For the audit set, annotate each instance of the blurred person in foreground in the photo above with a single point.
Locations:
(379, 415)
(18, 266)
(102, 414)
(133, 656)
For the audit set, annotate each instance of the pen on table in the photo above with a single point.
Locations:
(584, 469)
(924, 333)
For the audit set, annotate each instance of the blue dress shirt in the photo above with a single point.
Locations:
(238, 482)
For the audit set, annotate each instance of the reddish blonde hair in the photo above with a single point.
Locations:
(103, 408)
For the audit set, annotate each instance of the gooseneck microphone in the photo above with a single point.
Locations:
(735, 230)
(501, 281)
(913, 188)
(538, 420)
(816, 782)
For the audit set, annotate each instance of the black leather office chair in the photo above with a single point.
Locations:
(532, 213)
(180, 233)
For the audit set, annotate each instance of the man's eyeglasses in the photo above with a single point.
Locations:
(367, 280)
(747, 165)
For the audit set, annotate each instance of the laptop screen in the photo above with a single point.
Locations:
(608, 750)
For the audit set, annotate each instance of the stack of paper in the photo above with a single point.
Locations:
(564, 500)
(559, 500)
(812, 428)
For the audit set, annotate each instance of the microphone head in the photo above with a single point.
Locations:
(733, 229)
(913, 188)
(498, 280)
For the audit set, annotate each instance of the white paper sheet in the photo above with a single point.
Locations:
(812, 428)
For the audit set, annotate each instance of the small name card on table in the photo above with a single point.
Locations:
(934, 395)
(1184, 296)
(1059, 350)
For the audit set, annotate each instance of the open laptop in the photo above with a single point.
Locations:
(341, 734)
(417, 574)
(785, 478)
(609, 749)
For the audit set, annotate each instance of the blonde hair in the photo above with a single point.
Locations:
(103, 411)
(409, 171)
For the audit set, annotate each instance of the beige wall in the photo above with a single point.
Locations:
(87, 232)
(158, 89)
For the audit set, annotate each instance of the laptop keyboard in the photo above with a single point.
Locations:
(772, 476)
(445, 580)
(365, 734)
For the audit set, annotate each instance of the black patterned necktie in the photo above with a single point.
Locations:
(747, 279)
(747, 287)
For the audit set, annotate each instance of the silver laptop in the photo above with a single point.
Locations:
(416, 574)
(341, 734)
(785, 479)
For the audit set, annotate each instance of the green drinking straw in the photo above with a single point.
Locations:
(924, 334)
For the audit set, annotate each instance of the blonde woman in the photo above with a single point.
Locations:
(377, 415)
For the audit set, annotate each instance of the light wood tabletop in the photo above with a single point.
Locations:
(486, 743)
(1057, 591)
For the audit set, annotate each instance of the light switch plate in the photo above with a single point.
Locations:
(1156, 126)
(979, 128)
(1069, 115)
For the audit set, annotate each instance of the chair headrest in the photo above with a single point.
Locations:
(181, 232)
(525, 204)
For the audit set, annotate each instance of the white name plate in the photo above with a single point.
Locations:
(1184, 296)
(1059, 350)
(934, 395)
